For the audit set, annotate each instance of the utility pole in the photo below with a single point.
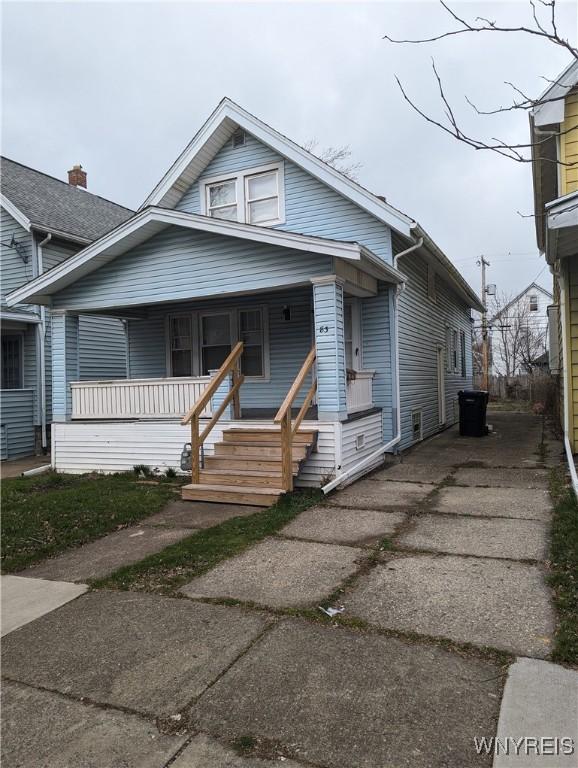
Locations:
(485, 352)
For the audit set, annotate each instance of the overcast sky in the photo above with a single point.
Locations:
(122, 87)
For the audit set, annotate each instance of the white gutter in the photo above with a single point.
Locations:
(42, 339)
(567, 446)
(356, 469)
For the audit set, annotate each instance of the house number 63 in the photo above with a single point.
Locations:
(323, 329)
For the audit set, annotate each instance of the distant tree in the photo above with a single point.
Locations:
(518, 337)
(338, 157)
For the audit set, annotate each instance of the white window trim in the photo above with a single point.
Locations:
(196, 320)
(240, 177)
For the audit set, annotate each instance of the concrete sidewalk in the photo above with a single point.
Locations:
(440, 592)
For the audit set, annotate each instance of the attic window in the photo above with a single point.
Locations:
(239, 138)
(251, 196)
(533, 302)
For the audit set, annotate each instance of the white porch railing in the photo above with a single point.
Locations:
(360, 391)
(136, 398)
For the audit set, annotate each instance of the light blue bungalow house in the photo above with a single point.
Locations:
(45, 221)
(256, 268)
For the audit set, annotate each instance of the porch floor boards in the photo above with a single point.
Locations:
(246, 467)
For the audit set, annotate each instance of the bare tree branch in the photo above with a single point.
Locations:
(520, 152)
(338, 157)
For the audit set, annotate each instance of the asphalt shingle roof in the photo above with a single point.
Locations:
(56, 205)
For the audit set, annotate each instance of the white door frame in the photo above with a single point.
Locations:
(441, 381)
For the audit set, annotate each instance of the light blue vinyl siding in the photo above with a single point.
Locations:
(181, 264)
(376, 352)
(17, 422)
(102, 348)
(330, 344)
(289, 341)
(55, 252)
(311, 207)
(422, 328)
(15, 272)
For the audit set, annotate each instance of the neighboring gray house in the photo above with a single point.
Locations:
(251, 248)
(44, 222)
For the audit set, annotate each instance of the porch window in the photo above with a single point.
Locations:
(222, 200)
(262, 198)
(215, 341)
(181, 345)
(251, 333)
(12, 361)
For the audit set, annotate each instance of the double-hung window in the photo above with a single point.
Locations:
(253, 196)
(455, 351)
(463, 352)
(12, 361)
(215, 340)
(222, 200)
(262, 198)
(251, 333)
(181, 339)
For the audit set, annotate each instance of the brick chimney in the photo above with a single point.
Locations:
(77, 177)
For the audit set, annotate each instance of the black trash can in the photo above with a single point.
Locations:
(473, 404)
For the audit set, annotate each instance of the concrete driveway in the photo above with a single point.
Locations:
(438, 563)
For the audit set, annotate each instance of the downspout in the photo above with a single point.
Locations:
(395, 368)
(42, 330)
(565, 382)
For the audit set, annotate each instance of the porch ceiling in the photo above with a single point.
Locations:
(153, 220)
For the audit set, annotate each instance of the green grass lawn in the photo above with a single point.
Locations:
(166, 571)
(564, 569)
(46, 514)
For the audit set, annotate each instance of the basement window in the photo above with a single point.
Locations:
(416, 426)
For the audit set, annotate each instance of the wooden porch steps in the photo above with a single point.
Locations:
(246, 467)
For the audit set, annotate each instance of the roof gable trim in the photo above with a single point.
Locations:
(227, 110)
(15, 212)
(109, 246)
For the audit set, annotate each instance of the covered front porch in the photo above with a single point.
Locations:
(176, 349)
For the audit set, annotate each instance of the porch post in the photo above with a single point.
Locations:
(65, 365)
(330, 343)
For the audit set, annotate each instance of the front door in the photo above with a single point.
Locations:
(441, 386)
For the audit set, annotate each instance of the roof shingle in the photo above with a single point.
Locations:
(57, 206)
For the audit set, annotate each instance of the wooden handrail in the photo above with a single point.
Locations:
(217, 379)
(296, 386)
(283, 417)
(231, 365)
